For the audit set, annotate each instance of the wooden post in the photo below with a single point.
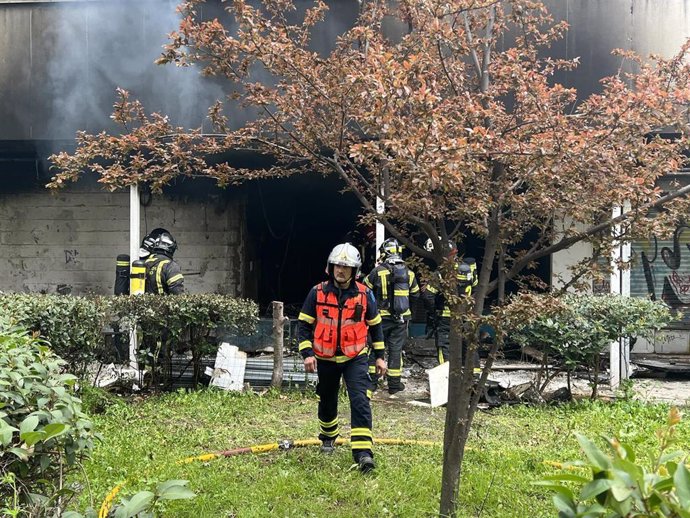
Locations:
(278, 323)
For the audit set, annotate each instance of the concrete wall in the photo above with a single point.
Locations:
(72, 238)
(562, 261)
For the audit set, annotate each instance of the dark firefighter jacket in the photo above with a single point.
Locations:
(435, 303)
(393, 284)
(344, 300)
(163, 275)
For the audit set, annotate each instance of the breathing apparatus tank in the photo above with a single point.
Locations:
(137, 278)
(122, 275)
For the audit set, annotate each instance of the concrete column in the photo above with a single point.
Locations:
(620, 284)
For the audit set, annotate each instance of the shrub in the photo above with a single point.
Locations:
(72, 325)
(183, 323)
(43, 431)
(618, 485)
(577, 328)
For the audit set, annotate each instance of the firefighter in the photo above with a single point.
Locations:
(332, 334)
(393, 283)
(436, 305)
(146, 247)
(163, 274)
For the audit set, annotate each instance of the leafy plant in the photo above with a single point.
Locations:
(72, 325)
(621, 486)
(575, 329)
(43, 431)
(143, 504)
(183, 323)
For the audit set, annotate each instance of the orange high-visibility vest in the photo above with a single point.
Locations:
(344, 326)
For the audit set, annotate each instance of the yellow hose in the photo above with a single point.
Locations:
(260, 448)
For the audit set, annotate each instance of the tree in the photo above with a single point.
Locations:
(458, 125)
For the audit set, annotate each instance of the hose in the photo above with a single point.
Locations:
(260, 448)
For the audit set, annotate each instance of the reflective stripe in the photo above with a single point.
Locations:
(384, 282)
(123, 263)
(401, 293)
(440, 356)
(329, 424)
(361, 432)
(306, 344)
(159, 275)
(379, 345)
(431, 289)
(361, 445)
(175, 278)
(331, 434)
(342, 358)
(368, 394)
(372, 369)
(385, 313)
(396, 373)
(374, 321)
(306, 318)
(368, 283)
(446, 312)
(414, 287)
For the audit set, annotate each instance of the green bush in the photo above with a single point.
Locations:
(577, 328)
(182, 324)
(43, 431)
(72, 325)
(618, 485)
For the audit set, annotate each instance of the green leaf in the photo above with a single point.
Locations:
(31, 438)
(6, 432)
(20, 452)
(595, 487)
(28, 425)
(138, 503)
(177, 493)
(565, 505)
(594, 454)
(164, 486)
(54, 429)
(682, 480)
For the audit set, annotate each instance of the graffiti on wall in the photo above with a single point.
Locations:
(662, 270)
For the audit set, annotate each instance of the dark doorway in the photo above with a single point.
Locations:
(292, 225)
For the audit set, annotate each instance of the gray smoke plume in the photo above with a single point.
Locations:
(91, 48)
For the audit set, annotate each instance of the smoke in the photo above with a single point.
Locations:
(91, 48)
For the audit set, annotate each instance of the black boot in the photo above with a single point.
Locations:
(395, 386)
(327, 446)
(366, 463)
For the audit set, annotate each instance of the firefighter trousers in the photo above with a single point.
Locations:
(394, 336)
(443, 342)
(355, 374)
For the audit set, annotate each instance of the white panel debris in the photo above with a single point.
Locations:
(228, 371)
(438, 384)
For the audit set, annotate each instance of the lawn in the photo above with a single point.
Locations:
(142, 441)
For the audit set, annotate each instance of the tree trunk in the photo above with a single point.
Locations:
(278, 324)
(453, 444)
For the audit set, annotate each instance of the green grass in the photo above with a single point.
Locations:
(507, 447)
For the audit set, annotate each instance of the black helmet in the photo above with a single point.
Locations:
(165, 243)
(390, 247)
(150, 240)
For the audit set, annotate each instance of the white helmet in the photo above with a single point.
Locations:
(344, 255)
(429, 245)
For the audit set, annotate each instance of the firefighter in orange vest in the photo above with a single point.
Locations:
(332, 334)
